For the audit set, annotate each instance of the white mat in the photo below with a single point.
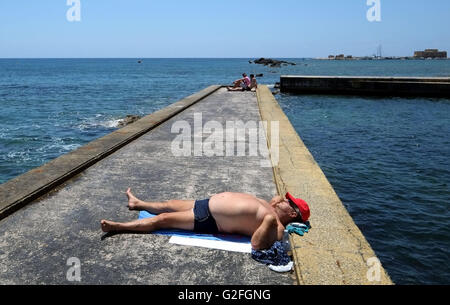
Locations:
(212, 244)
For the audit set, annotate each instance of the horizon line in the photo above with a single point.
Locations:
(155, 57)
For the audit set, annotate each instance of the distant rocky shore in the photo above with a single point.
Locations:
(273, 63)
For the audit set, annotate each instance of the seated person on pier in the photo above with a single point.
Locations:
(229, 213)
(240, 84)
(253, 83)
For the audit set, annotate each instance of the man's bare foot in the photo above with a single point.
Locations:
(133, 202)
(108, 226)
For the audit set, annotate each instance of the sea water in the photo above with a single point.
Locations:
(387, 158)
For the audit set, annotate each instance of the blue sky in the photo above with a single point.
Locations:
(215, 28)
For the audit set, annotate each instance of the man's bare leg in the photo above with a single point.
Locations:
(159, 207)
(177, 220)
(235, 89)
(237, 83)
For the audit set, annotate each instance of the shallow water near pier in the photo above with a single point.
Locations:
(387, 158)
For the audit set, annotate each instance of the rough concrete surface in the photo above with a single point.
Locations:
(21, 190)
(37, 240)
(334, 252)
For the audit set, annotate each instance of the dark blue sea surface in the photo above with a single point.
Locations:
(389, 161)
(387, 158)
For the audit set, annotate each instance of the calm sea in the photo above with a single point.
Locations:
(387, 158)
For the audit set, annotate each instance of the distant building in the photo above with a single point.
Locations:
(430, 53)
(340, 57)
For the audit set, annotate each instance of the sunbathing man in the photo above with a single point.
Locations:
(229, 213)
(240, 84)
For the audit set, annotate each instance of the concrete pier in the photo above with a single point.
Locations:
(53, 213)
(366, 85)
(37, 240)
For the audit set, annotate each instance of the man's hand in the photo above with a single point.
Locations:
(276, 199)
(267, 233)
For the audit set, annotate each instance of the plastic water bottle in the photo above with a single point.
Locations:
(285, 241)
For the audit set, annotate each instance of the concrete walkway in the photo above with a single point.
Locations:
(366, 85)
(37, 240)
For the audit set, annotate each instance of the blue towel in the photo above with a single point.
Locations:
(275, 256)
(190, 234)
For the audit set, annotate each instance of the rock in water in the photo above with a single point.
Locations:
(272, 62)
(129, 119)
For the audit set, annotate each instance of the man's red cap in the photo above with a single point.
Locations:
(303, 207)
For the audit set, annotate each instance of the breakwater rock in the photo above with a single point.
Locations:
(273, 63)
(129, 119)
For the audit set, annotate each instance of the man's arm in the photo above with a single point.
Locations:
(267, 233)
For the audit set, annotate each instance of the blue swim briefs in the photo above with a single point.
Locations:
(204, 222)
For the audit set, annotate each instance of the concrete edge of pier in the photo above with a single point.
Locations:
(366, 85)
(20, 191)
(334, 252)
